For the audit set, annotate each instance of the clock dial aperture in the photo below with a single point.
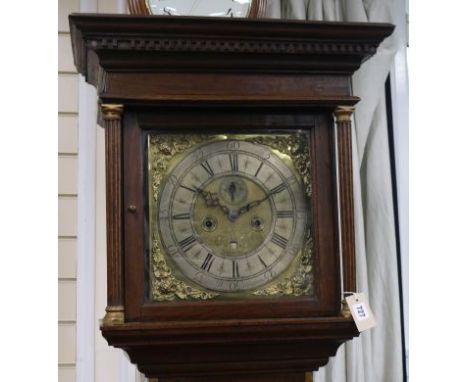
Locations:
(236, 214)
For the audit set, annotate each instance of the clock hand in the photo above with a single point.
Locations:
(232, 190)
(251, 205)
(256, 203)
(212, 200)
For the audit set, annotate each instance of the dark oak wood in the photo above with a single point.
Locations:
(345, 171)
(188, 87)
(191, 46)
(111, 118)
(230, 347)
(224, 75)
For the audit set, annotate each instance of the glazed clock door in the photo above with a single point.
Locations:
(232, 216)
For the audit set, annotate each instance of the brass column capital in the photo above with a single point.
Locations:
(111, 111)
(344, 113)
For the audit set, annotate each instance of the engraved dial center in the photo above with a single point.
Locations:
(234, 235)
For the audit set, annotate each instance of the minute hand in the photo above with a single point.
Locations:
(253, 204)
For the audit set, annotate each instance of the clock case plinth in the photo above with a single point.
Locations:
(207, 74)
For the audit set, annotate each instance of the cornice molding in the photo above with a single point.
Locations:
(234, 45)
(197, 44)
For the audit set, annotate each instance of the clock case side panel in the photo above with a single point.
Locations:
(139, 122)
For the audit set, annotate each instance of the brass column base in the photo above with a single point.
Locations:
(115, 315)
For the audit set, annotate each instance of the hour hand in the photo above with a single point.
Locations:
(211, 199)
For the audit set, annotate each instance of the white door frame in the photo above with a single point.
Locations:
(400, 113)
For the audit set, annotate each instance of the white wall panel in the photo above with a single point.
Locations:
(65, 55)
(67, 258)
(67, 175)
(108, 6)
(67, 300)
(65, 7)
(67, 216)
(67, 374)
(67, 185)
(68, 93)
(66, 343)
(67, 134)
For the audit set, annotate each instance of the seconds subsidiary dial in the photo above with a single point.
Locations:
(232, 216)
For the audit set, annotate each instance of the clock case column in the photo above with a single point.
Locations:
(344, 139)
(111, 119)
(239, 75)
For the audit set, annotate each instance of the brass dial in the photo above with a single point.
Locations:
(231, 215)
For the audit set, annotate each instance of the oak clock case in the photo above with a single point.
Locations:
(231, 217)
(228, 183)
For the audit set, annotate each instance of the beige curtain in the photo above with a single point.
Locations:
(376, 356)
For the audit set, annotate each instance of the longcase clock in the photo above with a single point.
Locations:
(229, 183)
